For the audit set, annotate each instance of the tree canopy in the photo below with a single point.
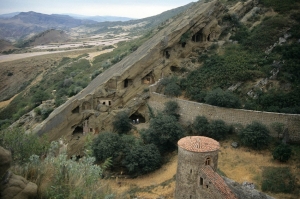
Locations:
(164, 131)
(255, 135)
(142, 159)
(106, 145)
(122, 123)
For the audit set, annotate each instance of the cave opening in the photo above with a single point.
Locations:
(138, 116)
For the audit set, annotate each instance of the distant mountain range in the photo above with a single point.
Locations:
(26, 23)
(100, 18)
(76, 16)
(22, 25)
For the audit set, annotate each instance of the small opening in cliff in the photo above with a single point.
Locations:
(208, 37)
(76, 110)
(86, 106)
(148, 79)
(175, 69)
(78, 129)
(137, 117)
(167, 54)
(127, 82)
(183, 44)
(197, 37)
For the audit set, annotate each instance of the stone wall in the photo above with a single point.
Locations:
(189, 110)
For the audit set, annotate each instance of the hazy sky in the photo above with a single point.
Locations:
(124, 8)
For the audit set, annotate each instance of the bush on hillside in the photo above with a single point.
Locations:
(282, 152)
(142, 159)
(172, 90)
(172, 108)
(22, 145)
(218, 97)
(122, 123)
(106, 145)
(255, 135)
(164, 131)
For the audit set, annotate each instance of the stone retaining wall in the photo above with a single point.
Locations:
(189, 110)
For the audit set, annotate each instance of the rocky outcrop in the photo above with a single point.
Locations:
(246, 190)
(13, 186)
(122, 86)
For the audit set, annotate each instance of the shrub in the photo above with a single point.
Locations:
(172, 108)
(106, 145)
(68, 178)
(200, 125)
(218, 97)
(282, 152)
(278, 180)
(95, 74)
(122, 123)
(164, 131)
(172, 90)
(142, 159)
(22, 145)
(217, 130)
(255, 135)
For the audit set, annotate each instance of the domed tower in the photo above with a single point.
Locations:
(196, 170)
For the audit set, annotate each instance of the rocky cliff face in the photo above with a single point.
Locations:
(122, 86)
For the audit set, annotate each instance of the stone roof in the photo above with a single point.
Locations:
(198, 144)
(218, 182)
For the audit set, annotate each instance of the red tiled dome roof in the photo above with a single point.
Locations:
(198, 144)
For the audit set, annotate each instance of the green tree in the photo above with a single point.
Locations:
(172, 108)
(255, 135)
(172, 90)
(218, 97)
(164, 131)
(218, 130)
(106, 145)
(282, 152)
(200, 125)
(142, 159)
(278, 127)
(22, 145)
(122, 123)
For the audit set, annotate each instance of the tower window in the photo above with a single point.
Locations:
(201, 181)
(191, 171)
(207, 162)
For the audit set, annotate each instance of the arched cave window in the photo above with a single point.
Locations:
(208, 37)
(76, 110)
(136, 116)
(78, 129)
(207, 161)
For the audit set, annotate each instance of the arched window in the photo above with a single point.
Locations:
(207, 161)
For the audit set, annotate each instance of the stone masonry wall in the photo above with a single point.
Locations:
(189, 110)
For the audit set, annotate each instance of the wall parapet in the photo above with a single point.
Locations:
(190, 110)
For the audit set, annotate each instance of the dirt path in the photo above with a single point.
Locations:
(13, 57)
(5, 103)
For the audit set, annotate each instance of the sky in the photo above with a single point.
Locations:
(122, 8)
